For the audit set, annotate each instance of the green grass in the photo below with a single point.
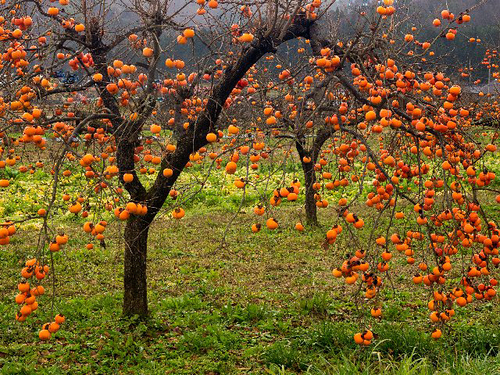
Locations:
(263, 303)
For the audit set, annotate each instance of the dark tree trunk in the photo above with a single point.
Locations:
(310, 179)
(135, 299)
(309, 172)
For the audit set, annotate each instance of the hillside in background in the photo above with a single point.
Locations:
(345, 17)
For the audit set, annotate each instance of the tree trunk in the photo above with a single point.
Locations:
(310, 179)
(135, 299)
(136, 231)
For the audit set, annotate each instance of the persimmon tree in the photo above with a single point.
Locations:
(408, 141)
(131, 100)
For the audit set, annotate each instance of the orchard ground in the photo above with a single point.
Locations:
(254, 303)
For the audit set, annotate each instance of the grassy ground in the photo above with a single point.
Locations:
(263, 303)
